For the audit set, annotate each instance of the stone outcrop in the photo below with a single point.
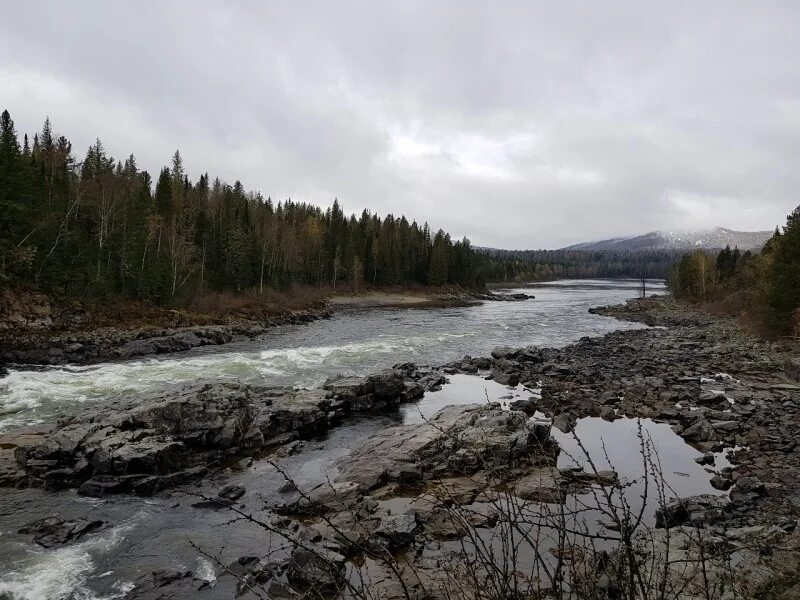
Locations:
(456, 440)
(172, 437)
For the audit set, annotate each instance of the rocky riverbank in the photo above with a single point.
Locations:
(469, 469)
(410, 508)
(717, 386)
(36, 347)
(28, 322)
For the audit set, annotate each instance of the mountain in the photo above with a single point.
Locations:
(715, 238)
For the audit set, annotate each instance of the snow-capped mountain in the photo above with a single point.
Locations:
(715, 238)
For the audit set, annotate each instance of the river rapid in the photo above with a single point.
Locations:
(354, 342)
(165, 530)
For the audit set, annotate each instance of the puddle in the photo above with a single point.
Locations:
(466, 389)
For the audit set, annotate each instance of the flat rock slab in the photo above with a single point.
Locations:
(456, 440)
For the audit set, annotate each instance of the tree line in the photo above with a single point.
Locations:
(544, 265)
(101, 226)
(763, 286)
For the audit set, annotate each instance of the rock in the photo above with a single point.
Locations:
(583, 478)
(397, 531)
(747, 489)
(528, 406)
(695, 510)
(699, 563)
(711, 397)
(231, 492)
(317, 570)
(608, 414)
(701, 431)
(718, 482)
(337, 496)
(53, 531)
(226, 497)
(541, 485)
(506, 378)
(540, 428)
(456, 440)
(705, 459)
(502, 352)
(791, 369)
(564, 422)
(388, 384)
(163, 584)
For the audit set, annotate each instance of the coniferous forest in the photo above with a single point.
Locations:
(94, 226)
(762, 287)
(508, 266)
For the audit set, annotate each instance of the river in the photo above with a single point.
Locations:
(353, 341)
(158, 532)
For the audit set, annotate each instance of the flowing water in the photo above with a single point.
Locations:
(159, 532)
(353, 341)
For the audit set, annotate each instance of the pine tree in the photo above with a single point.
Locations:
(437, 271)
(784, 294)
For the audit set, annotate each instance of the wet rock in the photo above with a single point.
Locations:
(509, 378)
(163, 584)
(541, 485)
(695, 510)
(701, 431)
(148, 443)
(705, 459)
(226, 497)
(455, 440)
(316, 570)
(528, 406)
(502, 352)
(584, 478)
(53, 531)
(326, 497)
(397, 531)
(718, 482)
(564, 422)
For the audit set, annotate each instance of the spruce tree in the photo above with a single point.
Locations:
(784, 291)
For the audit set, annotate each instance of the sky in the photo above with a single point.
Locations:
(517, 124)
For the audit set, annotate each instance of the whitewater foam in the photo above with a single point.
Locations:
(63, 572)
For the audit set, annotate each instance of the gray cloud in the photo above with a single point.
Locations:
(525, 124)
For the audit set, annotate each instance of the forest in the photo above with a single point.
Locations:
(544, 265)
(763, 288)
(99, 226)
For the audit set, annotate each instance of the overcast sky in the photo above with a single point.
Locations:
(519, 125)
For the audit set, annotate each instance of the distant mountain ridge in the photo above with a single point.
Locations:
(716, 238)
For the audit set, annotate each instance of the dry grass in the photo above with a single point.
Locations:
(253, 305)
